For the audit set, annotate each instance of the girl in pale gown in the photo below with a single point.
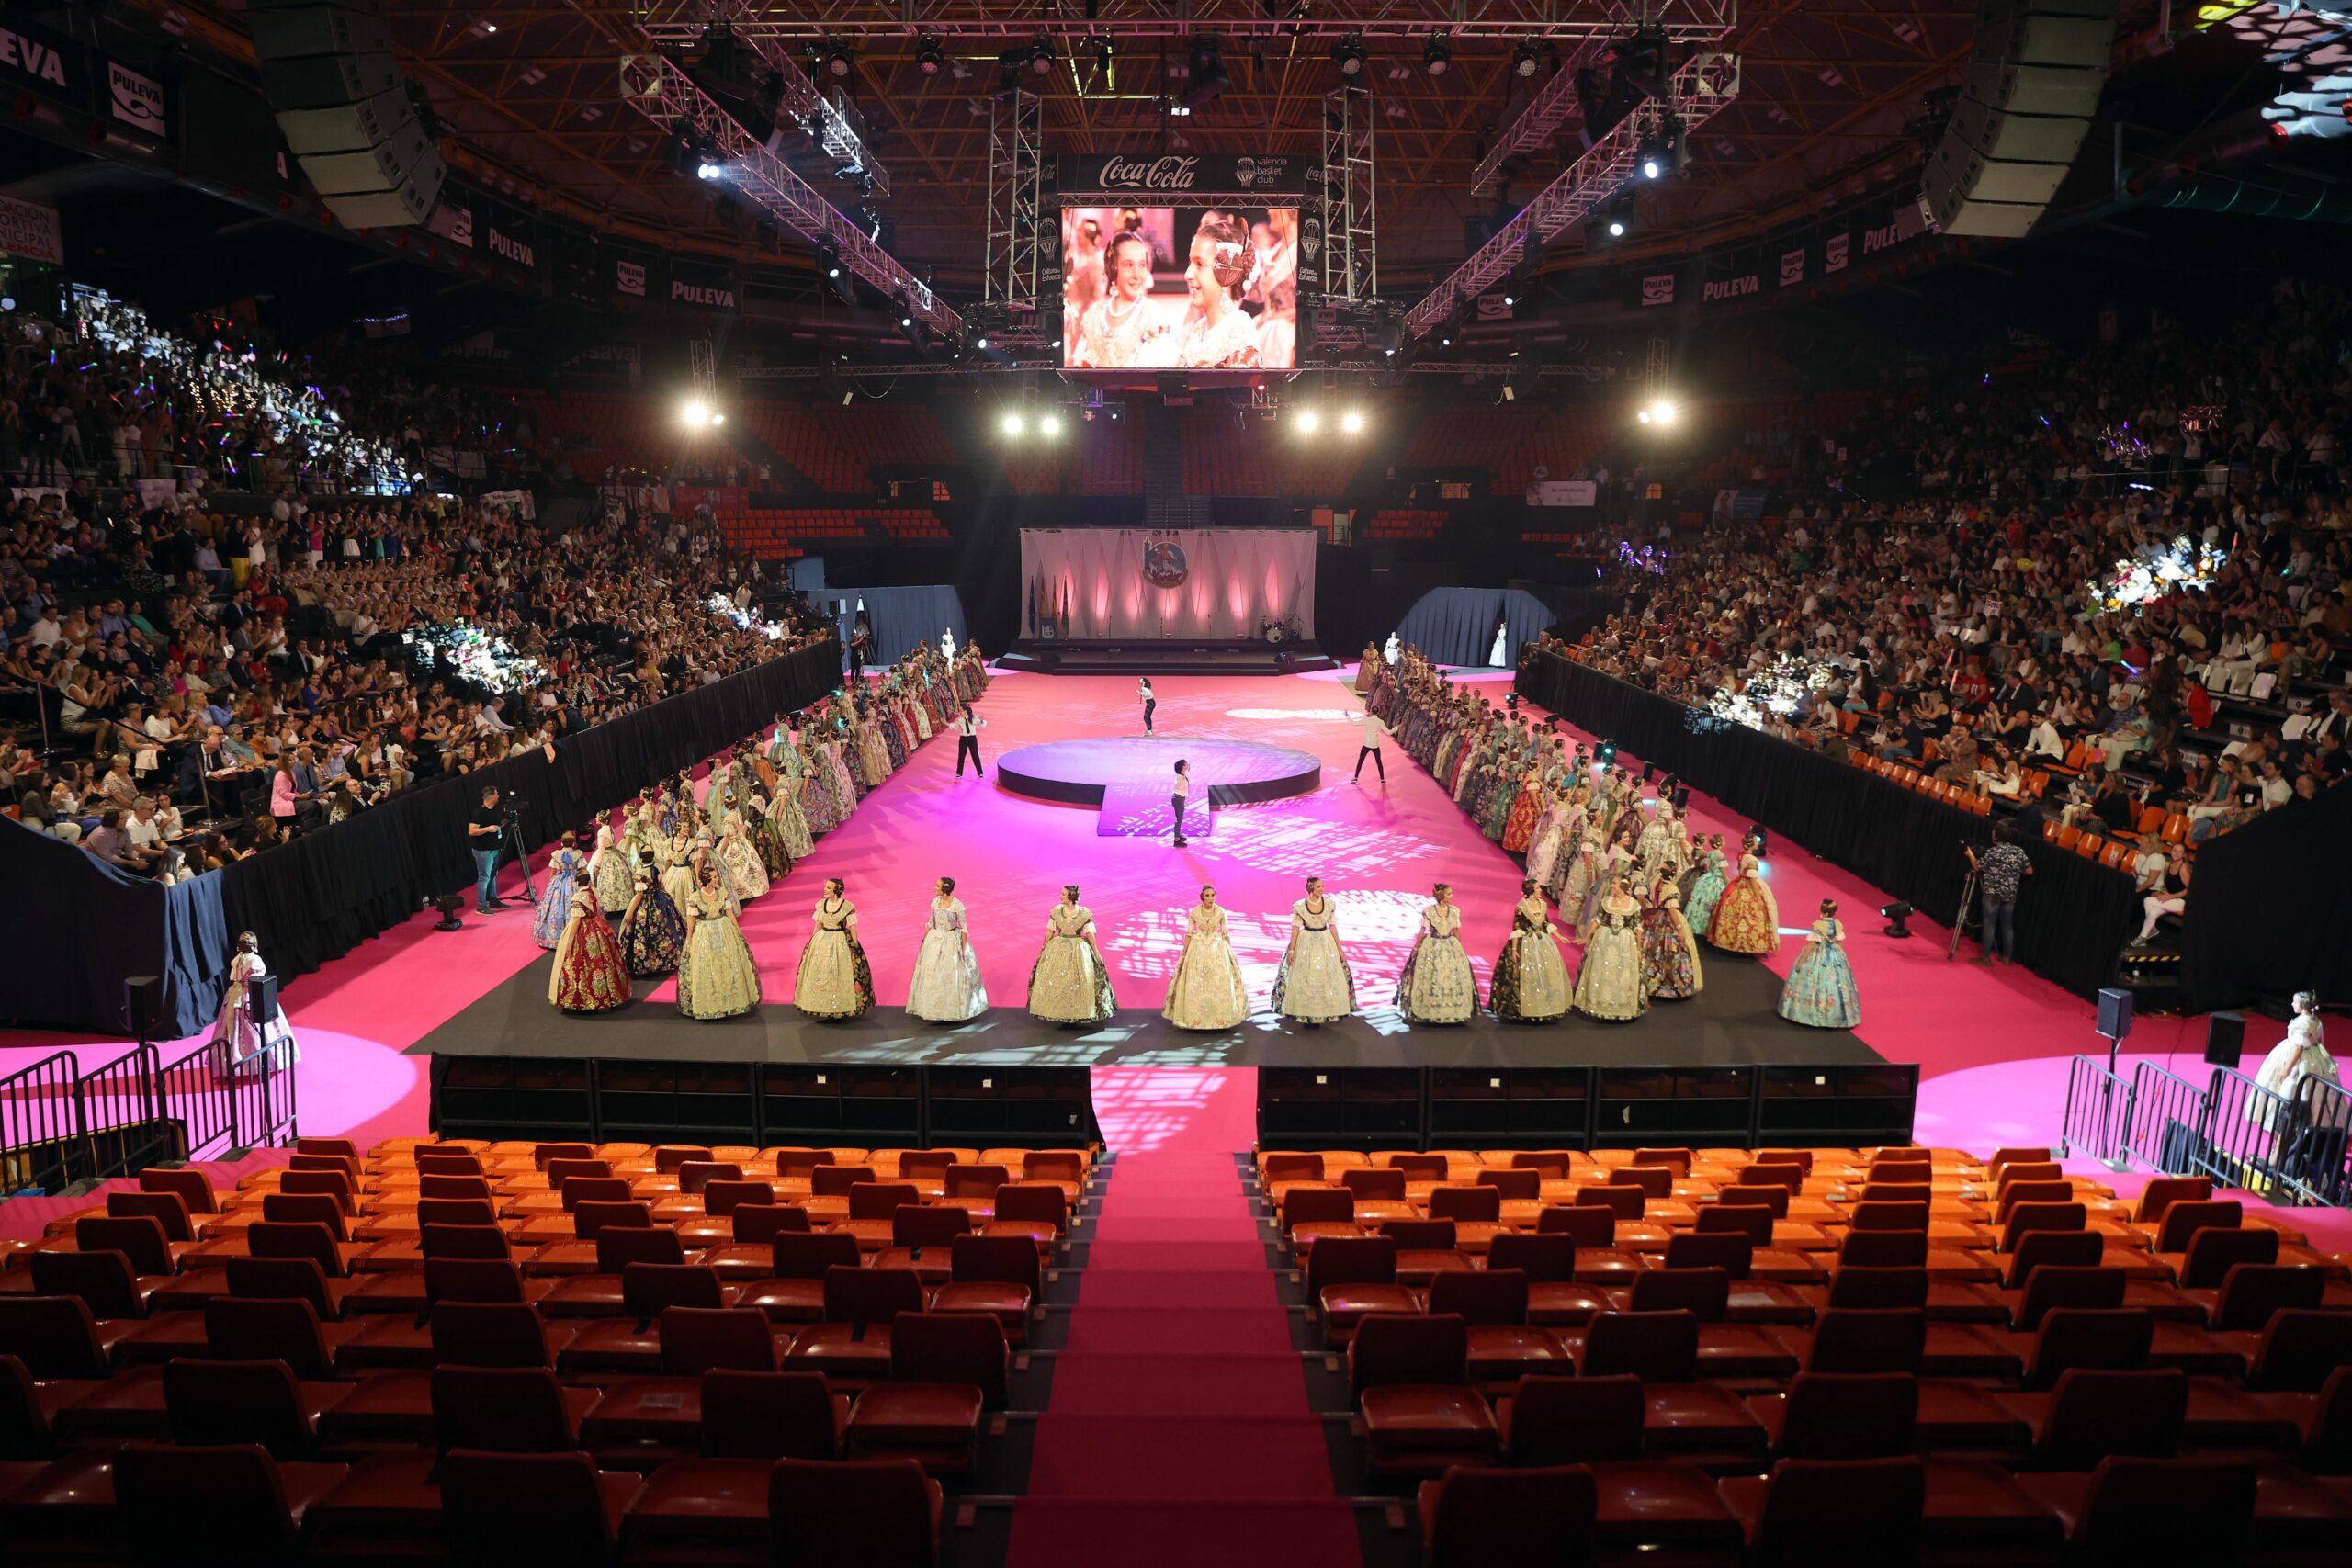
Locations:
(946, 986)
(1313, 983)
(1438, 984)
(565, 868)
(1215, 333)
(717, 977)
(1746, 918)
(675, 863)
(1070, 984)
(873, 752)
(588, 974)
(237, 1036)
(1531, 977)
(834, 981)
(654, 931)
(1609, 981)
(1669, 953)
(1207, 991)
(1551, 829)
(746, 877)
(1584, 872)
(785, 811)
(613, 869)
(767, 838)
(1820, 991)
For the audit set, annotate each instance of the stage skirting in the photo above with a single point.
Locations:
(1214, 583)
(64, 955)
(2072, 917)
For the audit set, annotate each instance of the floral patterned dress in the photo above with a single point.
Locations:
(717, 976)
(946, 986)
(1747, 919)
(1669, 953)
(1705, 891)
(589, 974)
(1609, 981)
(652, 931)
(565, 868)
(1820, 992)
(1070, 984)
(834, 980)
(1438, 984)
(1313, 984)
(1207, 991)
(1531, 977)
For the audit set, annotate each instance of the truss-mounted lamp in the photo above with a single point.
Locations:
(1041, 56)
(929, 59)
(1437, 57)
(1348, 55)
(1525, 58)
(838, 61)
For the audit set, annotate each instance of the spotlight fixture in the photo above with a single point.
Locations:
(1309, 422)
(450, 903)
(1049, 424)
(707, 170)
(1098, 46)
(1661, 411)
(1013, 424)
(1041, 56)
(693, 413)
(1348, 55)
(1895, 914)
(1525, 58)
(981, 343)
(837, 60)
(1606, 752)
(1353, 421)
(929, 59)
(1437, 57)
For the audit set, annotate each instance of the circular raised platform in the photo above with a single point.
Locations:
(1234, 773)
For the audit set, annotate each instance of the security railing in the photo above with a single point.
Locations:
(2099, 1111)
(59, 1126)
(2290, 1149)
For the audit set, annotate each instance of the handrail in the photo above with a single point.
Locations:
(2247, 1129)
(59, 1126)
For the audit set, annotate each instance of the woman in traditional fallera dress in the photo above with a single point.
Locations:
(784, 810)
(1550, 837)
(1070, 984)
(613, 869)
(1580, 877)
(237, 1036)
(1820, 991)
(1747, 919)
(674, 863)
(834, 980)
(717, 977)
(589, 974)
(1669, 953)
(1438, 984)
(1609, 981)
(565, 868)
(1313, 983)
(1706, 885)
(767, 838)
(652, 931)
(1367, 667)
(1207, 991)
(747, 878)
(1530, 982)
(1533, 801)
(946, 986)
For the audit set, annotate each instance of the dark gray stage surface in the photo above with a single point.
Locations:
(1732, 1024)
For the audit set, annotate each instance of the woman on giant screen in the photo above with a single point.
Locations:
(1113, 330)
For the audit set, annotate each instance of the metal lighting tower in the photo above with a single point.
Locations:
(663, 93)
(685, 22)
(1016, 218)
(1695, 94)
(1350, 214)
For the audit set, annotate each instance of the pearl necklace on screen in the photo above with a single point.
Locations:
(1113, 315)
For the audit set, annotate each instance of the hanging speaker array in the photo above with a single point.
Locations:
(327, 68)
(2033, 87)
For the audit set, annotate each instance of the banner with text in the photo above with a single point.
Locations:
(1174, 179)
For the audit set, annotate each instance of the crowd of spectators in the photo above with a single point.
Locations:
(189, 685)
(2127, 576)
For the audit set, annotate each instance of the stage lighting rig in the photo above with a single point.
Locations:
(839, 62)
(929, 59)
(1437, 56)
(1659, 411)
(1309, 422)
(1348, 55)
(1049, 424)
(1353, 421)
(1895, 914)
(1013, 424)
(1041, 56)
(1525, 59)
(1661, 154)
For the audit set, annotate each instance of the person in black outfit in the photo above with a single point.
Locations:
(1143, 690)
(481, 836)
(967, 741)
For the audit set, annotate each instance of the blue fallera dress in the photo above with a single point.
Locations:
(565, 868)
(1820, 991)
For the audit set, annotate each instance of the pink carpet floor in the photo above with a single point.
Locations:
(1992, 1044)
(1179, 1432)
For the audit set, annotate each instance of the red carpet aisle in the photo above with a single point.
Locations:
(1179, 1434)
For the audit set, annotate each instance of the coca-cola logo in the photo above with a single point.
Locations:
(1160, 174)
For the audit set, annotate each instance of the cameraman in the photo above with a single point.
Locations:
(1999, 875)
(483, 832)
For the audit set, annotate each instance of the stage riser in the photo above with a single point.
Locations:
(1247, 659)
(1585, 1107)
(615, 1099)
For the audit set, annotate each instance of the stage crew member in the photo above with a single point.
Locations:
(968, 726)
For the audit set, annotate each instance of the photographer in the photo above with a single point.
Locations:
(482, 833)
(2000, 874)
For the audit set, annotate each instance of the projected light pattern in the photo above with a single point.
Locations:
(2309, 46)
(2157, 572)
(483, 658)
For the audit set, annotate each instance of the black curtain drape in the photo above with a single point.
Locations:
(2072, 918)
(316, 898)
(2270, 908)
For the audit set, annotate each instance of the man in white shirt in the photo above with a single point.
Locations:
(1373, 730)
(968, 726)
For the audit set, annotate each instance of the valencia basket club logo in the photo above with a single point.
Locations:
(1164, 565)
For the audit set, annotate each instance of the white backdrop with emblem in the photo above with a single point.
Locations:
(1235, 580)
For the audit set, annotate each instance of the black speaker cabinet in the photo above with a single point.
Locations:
(2031, 89)
(142, 1003)
(2225, 1039)
(328, 70)
(2114, 1014)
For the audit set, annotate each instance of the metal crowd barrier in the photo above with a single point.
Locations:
(2098, 1112)
(2168, 1115)
(59, 1126)
(2233, 1130)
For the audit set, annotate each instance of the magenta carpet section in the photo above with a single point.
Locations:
(1179, 1432)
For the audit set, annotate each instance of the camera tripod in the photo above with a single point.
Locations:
(510, 839)
(1960, 918)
